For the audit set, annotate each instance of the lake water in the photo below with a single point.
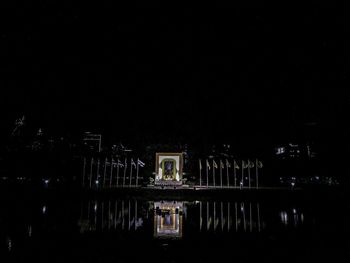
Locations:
(56, 227)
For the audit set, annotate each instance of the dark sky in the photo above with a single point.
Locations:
(249, 71)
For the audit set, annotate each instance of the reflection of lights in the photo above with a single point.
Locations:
(292, 183)
(280, 150)
(44, 209)
(9, 244)
(284, 217)
(95, 207)
(302, 218)
(96, 182)
(46, 181)
(30, 231)
(294, 211)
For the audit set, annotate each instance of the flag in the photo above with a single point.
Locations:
(222, 165)
(208, 165)
(259, 164)
(140, 163)
(250, 164)
(244, 165)
(200, 164)
(215, 164)
(235, 165)
(119, 163)
(133, 163)
(228, 165)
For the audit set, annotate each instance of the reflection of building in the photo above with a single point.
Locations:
(168, 219)
(92, 142)
(169, 168)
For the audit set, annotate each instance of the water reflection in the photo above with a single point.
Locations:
(169, 218)
(110, 215)
(136, 219)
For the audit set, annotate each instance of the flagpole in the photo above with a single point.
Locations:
(125, 164)
(249, 173)
(228, 179)
(111, 177)
(234, 173)
(206, 165)
(137, 172)
(256, 174)
(98, 168)
(130, 173)
(220, 174)
(213, 174)
(117, 172)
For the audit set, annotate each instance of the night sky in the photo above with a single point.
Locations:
(248, 73)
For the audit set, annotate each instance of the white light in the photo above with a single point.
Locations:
(294, 211)
(44, 209)
(96, 182)
(9, 244)
(30, 231)
(95, 207)
(46, 181)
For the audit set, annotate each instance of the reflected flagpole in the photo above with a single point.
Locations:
(222, 216)
(200, 216)
(228, 217)
(200, 173)
(236, 216)
(207, 167)
(111, 177)
(136, 213)
(215, 166)
(104, 173)
(125, 167)
(258, 208)
(250, 218)
(208, 225)
(98, 169)
(244, 222)
(84, 165)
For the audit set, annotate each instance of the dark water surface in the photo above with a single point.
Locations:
(53, 226)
